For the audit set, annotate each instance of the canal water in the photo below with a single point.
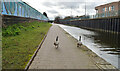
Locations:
(105, 45)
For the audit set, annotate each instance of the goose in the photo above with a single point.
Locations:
(56, 42)
(79, 43)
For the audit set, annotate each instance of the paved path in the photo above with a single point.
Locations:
(67, 56)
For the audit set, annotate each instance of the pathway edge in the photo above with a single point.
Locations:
(35, 53)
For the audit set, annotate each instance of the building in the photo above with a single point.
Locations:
(108, 10)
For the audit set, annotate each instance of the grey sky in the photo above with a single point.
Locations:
(48, 4)
(66, 7)
(52, 11)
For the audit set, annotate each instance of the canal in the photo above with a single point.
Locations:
(105, 45)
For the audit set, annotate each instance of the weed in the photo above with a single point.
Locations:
(33, 26)
(19, 42)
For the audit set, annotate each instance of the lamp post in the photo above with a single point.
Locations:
(71, 11)
(85, 8)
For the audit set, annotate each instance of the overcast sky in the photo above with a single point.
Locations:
(64, 8)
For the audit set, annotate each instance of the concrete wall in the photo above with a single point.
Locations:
(8, 20)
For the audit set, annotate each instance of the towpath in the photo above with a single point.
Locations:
(67, 56)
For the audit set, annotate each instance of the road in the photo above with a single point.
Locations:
(67, 56)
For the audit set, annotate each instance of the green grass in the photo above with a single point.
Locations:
(18, 48)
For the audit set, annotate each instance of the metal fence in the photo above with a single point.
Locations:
(104, 24)
(102, 15)
(21, 9)
(107, 14)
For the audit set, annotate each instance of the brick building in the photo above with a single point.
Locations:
(107, 10)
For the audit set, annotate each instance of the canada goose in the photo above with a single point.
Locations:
(56, 42)
(79, 43)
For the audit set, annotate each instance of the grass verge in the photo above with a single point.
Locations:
(19, 41)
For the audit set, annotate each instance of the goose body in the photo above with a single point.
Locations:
(79, 43)
(56, 42)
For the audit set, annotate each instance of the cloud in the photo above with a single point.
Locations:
(90, 5)
(68, 5)
(79, 11)
(52, 11)
(63, 7)
(48, 4)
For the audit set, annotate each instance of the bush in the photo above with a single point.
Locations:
(11, 31)
(17, 31)
(33, 26)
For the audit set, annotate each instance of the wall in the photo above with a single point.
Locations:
(108, 13)
(0, 22)
(9, 20)
(101, 24)
(115, 4)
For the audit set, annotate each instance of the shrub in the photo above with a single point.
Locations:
(33, 26)
(11, 31)
(17, 31)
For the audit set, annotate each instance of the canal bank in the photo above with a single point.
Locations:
(97, 42)
(67, 56)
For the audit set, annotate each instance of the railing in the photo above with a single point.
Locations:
(107, 14)
(108, 23)
(102, 15)
(21, 9)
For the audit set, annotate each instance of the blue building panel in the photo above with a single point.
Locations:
(19, 8)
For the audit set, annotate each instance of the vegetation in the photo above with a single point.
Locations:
(19, 42)
(57, 18)
(45, 14)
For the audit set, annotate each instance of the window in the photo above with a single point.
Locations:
(103, 9)
(96, 11)
(106, 9)
(112, 8)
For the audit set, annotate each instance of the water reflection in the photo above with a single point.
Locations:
(111, 40)
(105, 45)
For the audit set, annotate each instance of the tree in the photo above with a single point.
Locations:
(68, 17)
(45, 14)
(57, 18)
